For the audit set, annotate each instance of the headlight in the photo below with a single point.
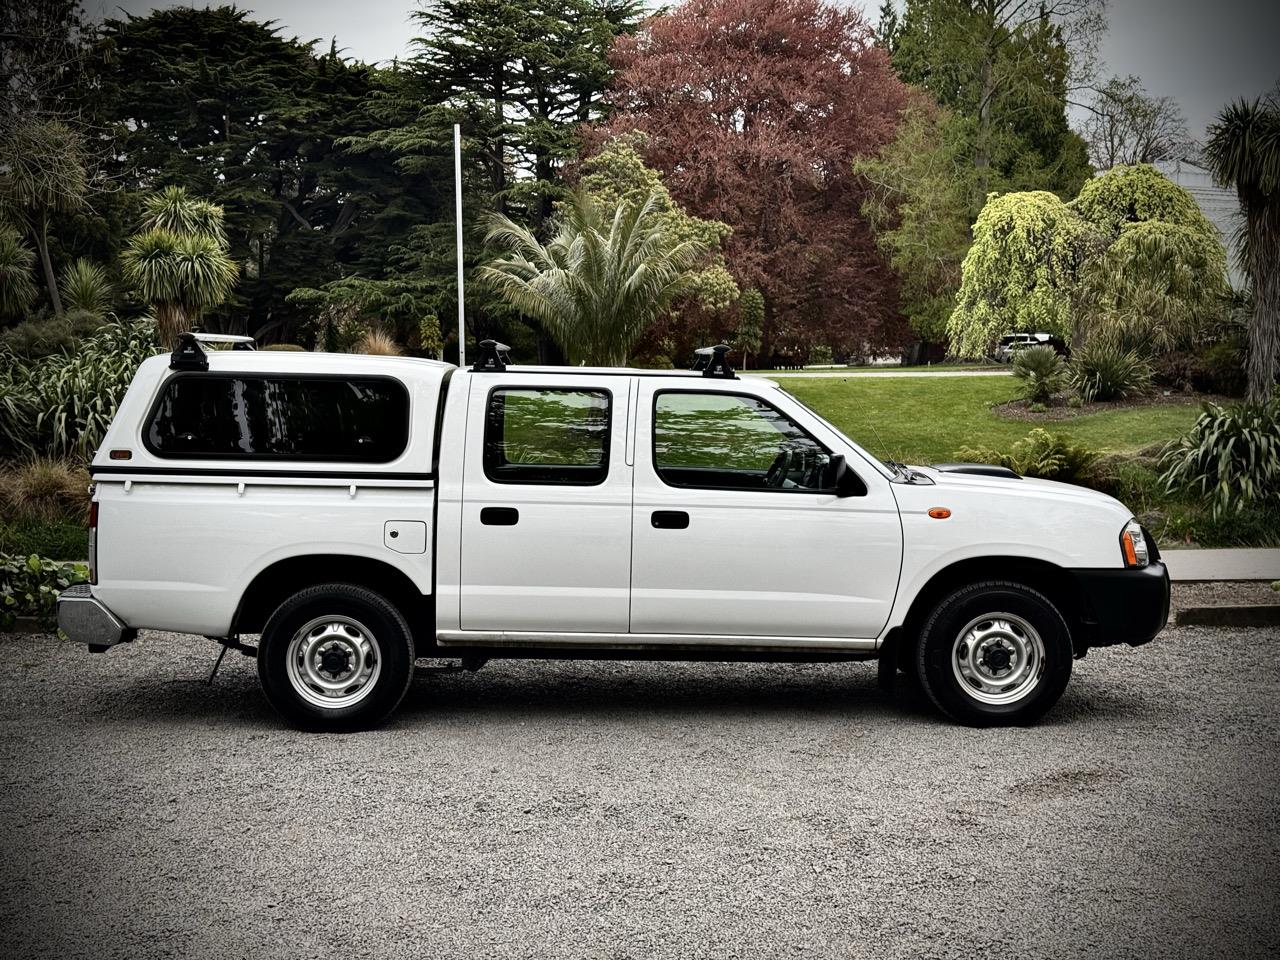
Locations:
(1133, 545)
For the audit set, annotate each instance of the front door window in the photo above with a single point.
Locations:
(719, 441)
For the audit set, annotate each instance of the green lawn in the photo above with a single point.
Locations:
(918, 420)
(889, 366)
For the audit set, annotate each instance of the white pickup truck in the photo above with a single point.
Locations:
(357, 514)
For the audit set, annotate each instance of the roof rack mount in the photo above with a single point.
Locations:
(189, 355)
(714, 362)
(494, 357)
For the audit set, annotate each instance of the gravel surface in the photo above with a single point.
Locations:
(549, 809)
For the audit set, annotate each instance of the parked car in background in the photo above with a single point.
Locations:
(339, 517)
(1011, 343)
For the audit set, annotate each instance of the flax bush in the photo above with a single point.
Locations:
(1231, 457)
(61, 405)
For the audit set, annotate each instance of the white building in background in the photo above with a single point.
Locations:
(1219, 204)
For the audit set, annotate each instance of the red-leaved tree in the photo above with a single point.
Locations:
(754, 110)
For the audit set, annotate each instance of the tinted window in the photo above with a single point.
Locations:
(547, 436)
(732, 442)
(300, 418)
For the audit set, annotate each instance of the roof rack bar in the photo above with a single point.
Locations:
(237, 342)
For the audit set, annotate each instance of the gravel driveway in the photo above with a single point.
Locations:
(640, 810)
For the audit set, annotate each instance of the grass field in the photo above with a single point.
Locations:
(919, 420)
(888, 366)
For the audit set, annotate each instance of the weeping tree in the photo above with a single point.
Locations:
(606, 274)
(178, 260)
(1021, 272)
(1244, 152)
(1158, 287)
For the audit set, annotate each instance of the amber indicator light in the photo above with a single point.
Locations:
(121, 454)
(939, 513)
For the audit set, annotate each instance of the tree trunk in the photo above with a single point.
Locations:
(1264, 325)
(499, 170)
(171, 320)
(981, 150)
(50, 281)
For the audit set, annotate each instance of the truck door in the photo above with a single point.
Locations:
(546, 513)
(737, 529)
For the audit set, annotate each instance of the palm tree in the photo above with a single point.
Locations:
(178, 260)
(1244, 152)
(602, 278)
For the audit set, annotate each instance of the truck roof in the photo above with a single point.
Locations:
(287, 361)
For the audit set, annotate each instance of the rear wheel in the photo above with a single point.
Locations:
(994, 653)
(335, 657)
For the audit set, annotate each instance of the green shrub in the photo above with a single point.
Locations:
(1037, 407)
(284, 346)
(17, 286)
(1039, 454)
(1230, 457)
(1103, 371)
(29, 586)
(1042, 373)
(61, 405)
(1252, 526)
(1075, 402)
(33, 339)
(821, 356)
(61, 538)
(1220, 369)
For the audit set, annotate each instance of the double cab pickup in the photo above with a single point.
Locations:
(341, 517)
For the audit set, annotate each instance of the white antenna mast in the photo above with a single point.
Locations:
(457, 208)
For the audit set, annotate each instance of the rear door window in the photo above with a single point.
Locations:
(351, 419)
(548, 436)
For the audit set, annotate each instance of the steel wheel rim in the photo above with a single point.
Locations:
(998, 658)
(333, 662)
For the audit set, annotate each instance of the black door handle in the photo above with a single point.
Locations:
(500, 516)
(670, 519)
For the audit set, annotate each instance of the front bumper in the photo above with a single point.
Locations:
(85, 619)
(1123, 606)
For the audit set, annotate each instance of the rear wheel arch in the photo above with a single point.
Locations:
(282, 579)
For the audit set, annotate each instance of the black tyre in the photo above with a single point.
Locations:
(335, 657)
(994, 653)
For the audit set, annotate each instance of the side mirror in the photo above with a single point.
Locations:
(847, 483)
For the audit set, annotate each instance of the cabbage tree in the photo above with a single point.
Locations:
(17, 289)
(178, 261)
(1244, 152)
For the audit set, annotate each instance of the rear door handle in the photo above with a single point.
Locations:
(670, 519)
(500, 516)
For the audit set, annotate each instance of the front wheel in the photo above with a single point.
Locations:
(994, 653)
(335, 657)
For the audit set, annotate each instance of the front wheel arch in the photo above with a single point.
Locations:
(1055, 582)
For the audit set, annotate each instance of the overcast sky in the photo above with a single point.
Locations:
(1200, 52)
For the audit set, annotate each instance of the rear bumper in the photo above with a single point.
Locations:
(1123, 606)
(85, 619)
